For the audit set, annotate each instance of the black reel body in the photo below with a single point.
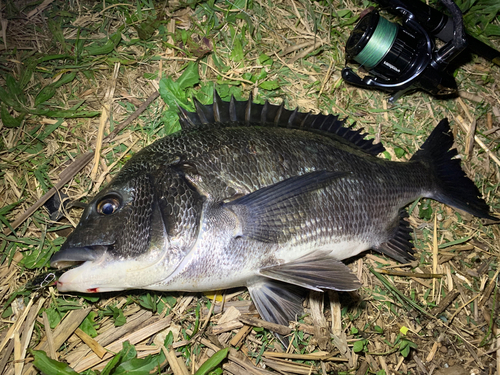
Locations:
(385, 49)
(399, 58)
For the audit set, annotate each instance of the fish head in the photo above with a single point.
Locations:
(131, 235)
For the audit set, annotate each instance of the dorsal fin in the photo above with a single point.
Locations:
(187, 119)
(205, 112)
(248, 113)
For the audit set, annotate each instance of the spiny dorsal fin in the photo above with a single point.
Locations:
(249, 113)
(263, 113)
(220, 115)
(232, 109)
(205, 112)
(248, 109)
(187, 119)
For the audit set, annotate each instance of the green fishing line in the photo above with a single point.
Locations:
(378, 45)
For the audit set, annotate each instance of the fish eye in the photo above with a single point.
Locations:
(108, 205)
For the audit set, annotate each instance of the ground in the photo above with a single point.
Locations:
(72, 72)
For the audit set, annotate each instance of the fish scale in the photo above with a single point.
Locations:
(278, 154)
(270, 199)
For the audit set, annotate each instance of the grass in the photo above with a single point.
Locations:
(54, 75)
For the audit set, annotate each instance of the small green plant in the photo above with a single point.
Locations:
(117, 315)
(209, 366)
(425, 210)
(360, 346)
(404, 346)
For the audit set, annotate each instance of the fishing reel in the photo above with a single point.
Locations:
(403, 58)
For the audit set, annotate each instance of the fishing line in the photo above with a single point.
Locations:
(378, 45)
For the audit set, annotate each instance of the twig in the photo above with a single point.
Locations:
(17, 323)
(491, 130)
(48, 334)
(91, 343)
(100, 180)
(39, 9)
(287, 367)
(363, 369)
(420, 365)
(336, 311)
(228, 77)
(278, 328)
(488, 289)
(18, 363)
(237, 340)
(305, 52)
(207, 320)
(461, 307)
(305, 24)
(6, 355)
(412, 274)
(74, 167)
(77, 165)
(471, 97)
(434, 256)
(134, 337)
(461, 121)
(226, 327)
(4, 23)
(316, 356)
(495, 331)
(174, 363)
(27, 332)
(489, 121)
(133, 323)
(450, 297)
(66, 328)
(327, 77)
(132, 117)
(296, 47)
(105, 115)
(432, 352)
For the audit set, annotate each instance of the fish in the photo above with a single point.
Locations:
(257, 196)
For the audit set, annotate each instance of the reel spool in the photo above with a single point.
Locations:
(400, 58)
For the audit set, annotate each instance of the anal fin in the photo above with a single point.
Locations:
(314, 273)
(399, 247)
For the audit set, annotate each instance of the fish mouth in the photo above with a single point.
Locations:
(72, 256)
(100, 271)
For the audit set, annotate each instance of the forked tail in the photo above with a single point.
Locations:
(453, 187)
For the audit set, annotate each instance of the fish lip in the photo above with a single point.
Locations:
(70, 256)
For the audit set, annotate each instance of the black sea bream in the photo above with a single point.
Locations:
(257, 196)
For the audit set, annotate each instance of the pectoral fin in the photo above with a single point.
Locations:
(278, 296)
(315, 274)
(275, 213)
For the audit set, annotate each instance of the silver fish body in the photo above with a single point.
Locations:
(256, 196)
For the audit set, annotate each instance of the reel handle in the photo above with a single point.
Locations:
(441, 26)
(459, 42)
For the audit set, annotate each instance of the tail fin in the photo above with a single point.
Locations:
(454, 188)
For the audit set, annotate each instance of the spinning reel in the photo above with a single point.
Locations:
(403, 58)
